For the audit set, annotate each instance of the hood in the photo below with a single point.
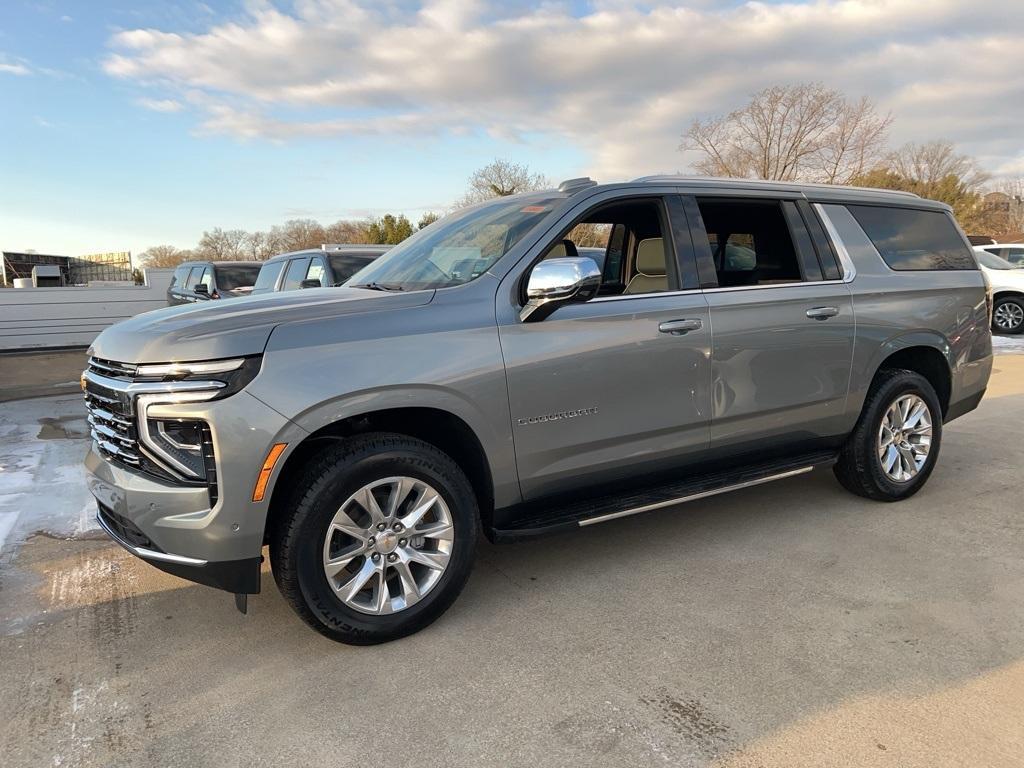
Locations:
(218, 329)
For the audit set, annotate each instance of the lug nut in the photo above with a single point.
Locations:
(392, 557)
(371, 541)
(381, 526)
(376, 557)
(402, 542)
(399, 527)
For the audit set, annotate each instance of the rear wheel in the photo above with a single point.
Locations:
(1008, 315)
(892, 450)
(378, 540)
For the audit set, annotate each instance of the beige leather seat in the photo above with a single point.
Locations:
(651, 275)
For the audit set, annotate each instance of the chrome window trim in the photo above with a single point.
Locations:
(148, 554)
(794, 284)
(849, 270)
(623, 297)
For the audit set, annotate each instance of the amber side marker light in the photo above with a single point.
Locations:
(268, 466)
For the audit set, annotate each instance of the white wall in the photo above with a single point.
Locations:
(36, 318)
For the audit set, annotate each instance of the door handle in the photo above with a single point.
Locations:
(679, 327)
(822, 313)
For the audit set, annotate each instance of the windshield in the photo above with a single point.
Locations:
(992, 261)
(238, 276)
(458, 248)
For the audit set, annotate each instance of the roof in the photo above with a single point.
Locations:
(197, 262)
(354, 248)
(823, 192)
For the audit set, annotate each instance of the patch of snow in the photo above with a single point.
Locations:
(1008, 345)
(42, 480)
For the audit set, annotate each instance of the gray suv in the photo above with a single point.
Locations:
(487, 375)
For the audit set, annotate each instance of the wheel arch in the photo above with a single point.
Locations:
(440, 427)
(927, 354)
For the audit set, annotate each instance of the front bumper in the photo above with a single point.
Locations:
(238, 576)
(174, 527)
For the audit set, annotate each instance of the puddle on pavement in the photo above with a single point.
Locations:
(71, 427)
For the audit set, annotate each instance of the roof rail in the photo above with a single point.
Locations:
(575, 185)
(744, 182)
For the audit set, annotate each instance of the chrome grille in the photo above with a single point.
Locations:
(112, 369)
(111, 421)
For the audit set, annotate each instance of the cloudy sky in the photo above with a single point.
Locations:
(128, 124)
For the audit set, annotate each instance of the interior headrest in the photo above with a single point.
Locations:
(650, 257)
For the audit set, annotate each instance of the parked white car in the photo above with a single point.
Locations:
(1007, 281)
(1011, 252)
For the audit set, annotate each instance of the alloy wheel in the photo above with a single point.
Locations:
(905, 438)
(1008, 316)
(388, 545)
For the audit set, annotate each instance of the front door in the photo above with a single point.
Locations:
(618, 386)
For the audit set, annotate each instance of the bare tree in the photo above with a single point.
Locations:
(347, 231)
(298, 234)
(500, 179)
(802, 132)
(933, 162)
(1006, 209)
(222, 244)
(163, 256)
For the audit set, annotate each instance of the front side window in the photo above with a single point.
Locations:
(991, 261)
(912, 240)
(193, 278)
(295, 275)
(629, 242)
(207, 279)
(458, 248)
(750, 242)
(316, 270)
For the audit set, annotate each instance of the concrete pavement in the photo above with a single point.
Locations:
(787, 625)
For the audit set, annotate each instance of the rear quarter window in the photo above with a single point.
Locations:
(911, 240)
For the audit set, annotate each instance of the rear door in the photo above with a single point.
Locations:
(782, 320)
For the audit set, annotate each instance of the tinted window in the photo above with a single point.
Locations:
(236, 276)
(267, 279)
(207, 279)
(750, 242)
(295, 275)
(344, 265)
(913, 240)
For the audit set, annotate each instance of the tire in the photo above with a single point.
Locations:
(1008, 315)
(336, 482)
(860, 467)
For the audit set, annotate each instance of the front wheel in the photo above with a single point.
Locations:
(1008, 315)
(892, 450)
(378, 540)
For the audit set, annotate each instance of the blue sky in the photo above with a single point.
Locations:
(128, 124)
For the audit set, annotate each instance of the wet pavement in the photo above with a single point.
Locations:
(788, 625)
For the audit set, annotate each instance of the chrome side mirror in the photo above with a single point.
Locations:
(556, 282)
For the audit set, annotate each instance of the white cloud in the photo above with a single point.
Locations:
(161, 105)
(13, 66)
(621, 82)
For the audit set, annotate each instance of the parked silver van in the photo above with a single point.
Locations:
(488, 375)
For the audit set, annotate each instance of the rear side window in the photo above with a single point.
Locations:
(909, 239)
(236, 276)
(269, 273)
(344, 265)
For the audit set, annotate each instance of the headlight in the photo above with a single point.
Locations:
(230, 375)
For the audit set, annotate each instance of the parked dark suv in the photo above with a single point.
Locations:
(203, 280)
(487, 374)
(324, 267)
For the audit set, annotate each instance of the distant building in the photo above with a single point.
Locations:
(75, 270)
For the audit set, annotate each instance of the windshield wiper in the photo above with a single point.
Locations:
(380, 287)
